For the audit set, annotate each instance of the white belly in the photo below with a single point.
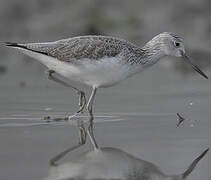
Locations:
(96, 73)
(102, 73)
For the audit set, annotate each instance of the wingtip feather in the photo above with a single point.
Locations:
(11, 44)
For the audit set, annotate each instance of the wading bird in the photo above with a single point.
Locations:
(101, 61)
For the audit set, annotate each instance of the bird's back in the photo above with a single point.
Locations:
(97, 61)
(91, 47)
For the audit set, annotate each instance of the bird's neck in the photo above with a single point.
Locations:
(147, 56)
(152, 52)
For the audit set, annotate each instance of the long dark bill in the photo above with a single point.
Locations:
(193, 164)
(196, 68)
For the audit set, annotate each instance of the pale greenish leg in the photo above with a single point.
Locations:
(82, 141)
(91, 118)
(82, 97)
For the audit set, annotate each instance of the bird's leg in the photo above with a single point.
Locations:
(91, 118)
(82, 141)
(82, 101)
(82, 97)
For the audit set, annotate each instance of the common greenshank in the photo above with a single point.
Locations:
(101, 61)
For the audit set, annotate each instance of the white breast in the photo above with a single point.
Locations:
(96, 73)
(105, 72)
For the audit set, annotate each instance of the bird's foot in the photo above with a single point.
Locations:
(49, 119)
(70, 117)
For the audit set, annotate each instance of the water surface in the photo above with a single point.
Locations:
(137, 116)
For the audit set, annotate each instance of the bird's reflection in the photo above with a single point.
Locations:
(113, 164)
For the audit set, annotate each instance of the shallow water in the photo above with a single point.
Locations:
(138, 116)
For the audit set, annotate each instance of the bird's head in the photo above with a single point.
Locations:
(172, 45)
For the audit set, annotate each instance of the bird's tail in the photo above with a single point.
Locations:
(11, 44)
(15, 45)
(27, 47)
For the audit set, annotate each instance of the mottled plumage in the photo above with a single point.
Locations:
(91, 47)
(100, 61)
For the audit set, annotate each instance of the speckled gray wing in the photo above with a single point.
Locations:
(92, 47)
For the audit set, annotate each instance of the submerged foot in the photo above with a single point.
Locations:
(49, 119)
(54, 119)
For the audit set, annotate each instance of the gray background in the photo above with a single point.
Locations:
(146, 103)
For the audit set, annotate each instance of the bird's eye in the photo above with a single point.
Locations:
(177, 44)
